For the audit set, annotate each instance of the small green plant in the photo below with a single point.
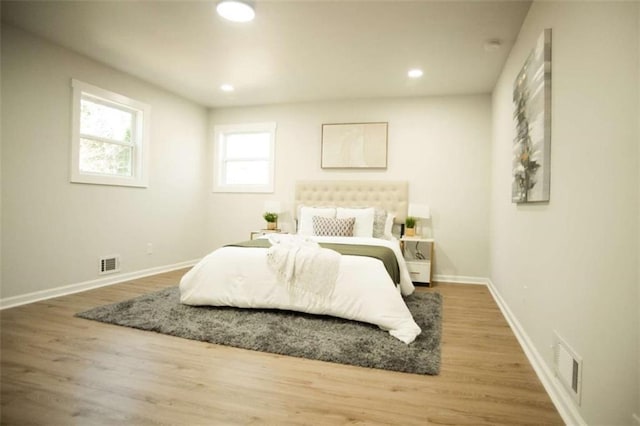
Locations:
(410, 222)
(270, 217)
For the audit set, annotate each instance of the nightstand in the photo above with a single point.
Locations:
(256, 234)
(419, 259)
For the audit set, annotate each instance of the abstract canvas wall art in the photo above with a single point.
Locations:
(354, 145)
(532, 116)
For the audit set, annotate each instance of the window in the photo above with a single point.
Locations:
(244, 157)
(109, 137)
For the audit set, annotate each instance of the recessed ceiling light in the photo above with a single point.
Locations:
(415, 73)
(236, 11)
(226, 88)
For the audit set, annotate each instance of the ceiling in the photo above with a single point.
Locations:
(294, 51)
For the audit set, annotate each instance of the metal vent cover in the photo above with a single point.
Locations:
(567, 367)
(109, 264)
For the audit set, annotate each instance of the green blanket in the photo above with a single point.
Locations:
(385, 254)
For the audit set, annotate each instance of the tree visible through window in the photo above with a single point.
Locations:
(109, 144)
(105, 139)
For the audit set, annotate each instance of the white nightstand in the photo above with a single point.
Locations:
(419, 258)
(256, 234)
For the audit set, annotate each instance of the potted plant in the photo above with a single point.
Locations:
(272, 220)
(410, 226)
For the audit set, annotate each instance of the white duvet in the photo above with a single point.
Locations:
(363, 291)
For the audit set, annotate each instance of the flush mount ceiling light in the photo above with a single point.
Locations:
(236, 11)
(226, 88)
(415, 73)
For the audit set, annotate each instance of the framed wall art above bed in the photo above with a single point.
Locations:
(354, 146)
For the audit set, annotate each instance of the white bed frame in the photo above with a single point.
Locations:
(391, 196)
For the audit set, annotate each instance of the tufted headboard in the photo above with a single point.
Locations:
(391, 196)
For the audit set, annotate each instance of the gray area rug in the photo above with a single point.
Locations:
(287, 333)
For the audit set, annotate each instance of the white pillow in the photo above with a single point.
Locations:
(364, 220)
(305, 218)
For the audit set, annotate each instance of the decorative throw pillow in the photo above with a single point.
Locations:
(388, 226)
(333, 227)
(379, 221)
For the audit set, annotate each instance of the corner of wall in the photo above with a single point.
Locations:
(637, 413)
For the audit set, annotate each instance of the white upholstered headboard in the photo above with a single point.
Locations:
(391, 196)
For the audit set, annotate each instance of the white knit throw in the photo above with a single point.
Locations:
(303, 266)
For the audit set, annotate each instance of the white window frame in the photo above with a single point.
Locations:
(140, 137)
(219, 158)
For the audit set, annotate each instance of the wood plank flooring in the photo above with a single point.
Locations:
(57, 369)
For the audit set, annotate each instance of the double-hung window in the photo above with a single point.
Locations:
(244, 157)
(110, 135)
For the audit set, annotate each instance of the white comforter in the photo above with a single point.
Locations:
(241, 277)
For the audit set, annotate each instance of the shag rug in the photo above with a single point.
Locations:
(287, 333)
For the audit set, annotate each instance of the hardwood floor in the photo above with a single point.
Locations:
(58, 369)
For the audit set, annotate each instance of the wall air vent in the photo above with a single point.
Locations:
(109, 264)
(567, 365)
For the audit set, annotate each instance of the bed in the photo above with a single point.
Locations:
(332, 266)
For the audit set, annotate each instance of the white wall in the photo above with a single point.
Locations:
(570, 265)
(53, 232)
(637, 413)
(440, 145)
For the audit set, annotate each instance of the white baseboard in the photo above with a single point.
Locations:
(560, 399)
(10, 302)
(460, 279)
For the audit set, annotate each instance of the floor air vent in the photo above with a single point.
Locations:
(109, 264)
(567, 367)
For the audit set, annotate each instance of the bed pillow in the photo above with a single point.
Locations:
(388, 226)
(333, 227)
(364, 220)
(305, 218)
(379, 222)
